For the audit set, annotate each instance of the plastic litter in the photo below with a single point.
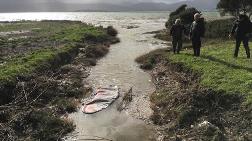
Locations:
(101, 99)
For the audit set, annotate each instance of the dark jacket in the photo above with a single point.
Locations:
(241, 29)
(177, 31)
(197, 30)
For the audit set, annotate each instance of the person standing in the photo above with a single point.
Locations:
(197, 31)
(241, 30)
(176, 32)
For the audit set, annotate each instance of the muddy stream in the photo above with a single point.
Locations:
(119, 68)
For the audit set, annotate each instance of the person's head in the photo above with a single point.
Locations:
(177, 21)
(197, 16)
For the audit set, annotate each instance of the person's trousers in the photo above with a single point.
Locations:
(196, 43)
(177, 45)
(245, 42)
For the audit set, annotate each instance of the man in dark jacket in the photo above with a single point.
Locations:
(197, 31)
(176, 32)
(241, 30)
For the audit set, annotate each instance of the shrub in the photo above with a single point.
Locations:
(219, 28)
(96, 51)
(48, 127)
(95, 37)
(185, 14)
(66, 105)
(111, 31)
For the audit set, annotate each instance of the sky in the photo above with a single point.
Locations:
(3, 2)
(120, 1)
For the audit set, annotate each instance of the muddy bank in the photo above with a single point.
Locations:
(35, 105)
(43, 101)
(184, 110)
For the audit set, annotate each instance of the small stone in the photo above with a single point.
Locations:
(204, 124)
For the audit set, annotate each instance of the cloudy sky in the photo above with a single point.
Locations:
(3, 2)
(119, 1)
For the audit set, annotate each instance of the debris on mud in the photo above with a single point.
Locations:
(127, 98)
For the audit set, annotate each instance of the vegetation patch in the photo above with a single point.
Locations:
(206, 97)
(47, 126)
(219, 69)
(42, 67)
(148, 61)
(42, 59)
(202, 98)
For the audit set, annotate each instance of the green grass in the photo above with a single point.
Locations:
(218, 69)
(78, 33)
(25, 58)
(29, 63)
(51, 32)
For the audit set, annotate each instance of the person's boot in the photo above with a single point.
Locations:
(248, 53)
(235, 55)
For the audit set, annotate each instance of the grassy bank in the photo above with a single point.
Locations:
(41, 75)
(219, 70)
(42, 59)
(202, 97)
(35, 46)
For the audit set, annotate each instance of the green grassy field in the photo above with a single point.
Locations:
(43, 42)
(218, 69)
(26, 64)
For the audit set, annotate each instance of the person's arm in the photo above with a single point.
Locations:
(234, 28)
(190, 31)
(184, 30)
(203, 29)
(172, 30)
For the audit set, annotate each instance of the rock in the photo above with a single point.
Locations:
(208, 128)
(204, 124)
(82, 50)
(211, 131)
(131, 26)
(178, 138)
(248, 137)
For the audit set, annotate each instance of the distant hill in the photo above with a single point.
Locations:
(126, 7)
(204, 5)
(57, 6)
